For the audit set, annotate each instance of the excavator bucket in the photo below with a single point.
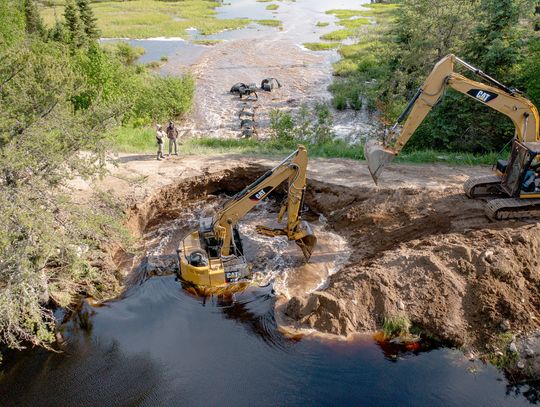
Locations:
(307, 241)
(303, 236)
(377, 157)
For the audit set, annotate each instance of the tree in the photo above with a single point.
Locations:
(12, 24)
(76, 34)
(34, 23)
(494, 46)
(88, 19)
(58, 33)
(47, 242)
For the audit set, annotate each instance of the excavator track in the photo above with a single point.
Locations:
(482, 186)
(513, 208)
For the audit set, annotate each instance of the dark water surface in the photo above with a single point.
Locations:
(161, 346)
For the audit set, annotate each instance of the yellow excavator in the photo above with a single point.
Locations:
(213, 256)
(506, 186)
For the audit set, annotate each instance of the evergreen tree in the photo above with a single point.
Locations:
(76, 34)
(34, 23)
(88, 19)
(58, 33)
(494, 45)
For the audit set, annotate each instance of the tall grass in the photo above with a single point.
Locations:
(396, 326)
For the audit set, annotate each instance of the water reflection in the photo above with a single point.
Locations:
(159, 345)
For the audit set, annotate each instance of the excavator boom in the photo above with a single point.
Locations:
(508, 101)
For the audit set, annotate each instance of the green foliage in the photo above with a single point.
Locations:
(503, 357)
(313, 126)
(34, 23)
(159, 98)
(530, 72)
(272, 7)
(88, 19)
(282, 126)
(124, 52)
(47, 242)
(74, 25)
(396, 326)
(347, 94)
(61, 99)
(13, 23)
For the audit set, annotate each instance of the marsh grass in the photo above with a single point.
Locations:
(338, 35)
(272, 7)
(322, 24)
(321, 46)
(270, 23)
(207, 42)
(152, 18)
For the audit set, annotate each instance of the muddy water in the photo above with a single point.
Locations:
(158, 345)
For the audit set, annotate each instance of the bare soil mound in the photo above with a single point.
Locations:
(432, 256)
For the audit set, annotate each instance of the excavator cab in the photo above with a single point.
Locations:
(515, 170)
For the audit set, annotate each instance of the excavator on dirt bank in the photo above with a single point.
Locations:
(510, 199)
(213, 256)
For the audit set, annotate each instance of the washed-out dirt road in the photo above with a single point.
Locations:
(416, 247)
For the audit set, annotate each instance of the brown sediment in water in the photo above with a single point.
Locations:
(430, 254)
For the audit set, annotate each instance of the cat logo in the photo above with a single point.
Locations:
(260, 194)
(482, 95)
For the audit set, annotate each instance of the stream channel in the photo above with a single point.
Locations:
(160, 345)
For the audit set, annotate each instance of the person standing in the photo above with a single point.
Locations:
(160, 135)
(172, 135)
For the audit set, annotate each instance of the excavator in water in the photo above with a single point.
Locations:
(213, 256)
(509, 198)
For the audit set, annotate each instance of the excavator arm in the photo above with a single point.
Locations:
(497, 96)
(293, 168)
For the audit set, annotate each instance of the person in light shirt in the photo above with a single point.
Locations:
(160, 136)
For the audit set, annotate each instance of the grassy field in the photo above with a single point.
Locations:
(153, 18)
(142, 140)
